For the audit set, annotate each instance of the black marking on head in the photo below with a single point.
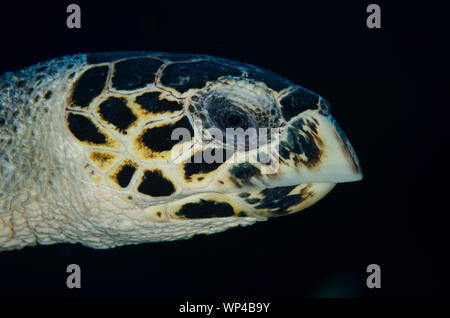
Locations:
(159, 139)
(89, 85)
(96, 58)
(243, 173)
(85, 130)
(300, 123)
(184, 76)
(125, 174)
(307, 145)
(115, 111)
(244, 195)
(284, 151)
(48, 94)
(277, 199)
(151, 103)
(191, 167)
(312, 125)
(154, 184)
(135, 73)
(242, 214)
(252, 200)
(300, 144)
(206, 209)
(298, 101)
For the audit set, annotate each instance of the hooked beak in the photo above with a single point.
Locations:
(327, 154)
(312, 148)
(314, 155)
(347, 159)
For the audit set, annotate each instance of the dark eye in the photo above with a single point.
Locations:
(224, 114)
(234, 119)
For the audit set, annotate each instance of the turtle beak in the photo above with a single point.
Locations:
(317, 149)
(339, 156)
(312, 148)
(313, 155)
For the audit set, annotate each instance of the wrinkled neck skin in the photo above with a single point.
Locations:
(31, 166)
(40, 198)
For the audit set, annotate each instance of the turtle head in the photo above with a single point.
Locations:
(207, 138)
(277, 152)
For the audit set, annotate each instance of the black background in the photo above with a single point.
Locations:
(388, 89)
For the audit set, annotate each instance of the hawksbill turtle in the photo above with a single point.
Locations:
(87, 149)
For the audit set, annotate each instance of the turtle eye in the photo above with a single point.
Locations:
(234, 119)
(224, 114)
